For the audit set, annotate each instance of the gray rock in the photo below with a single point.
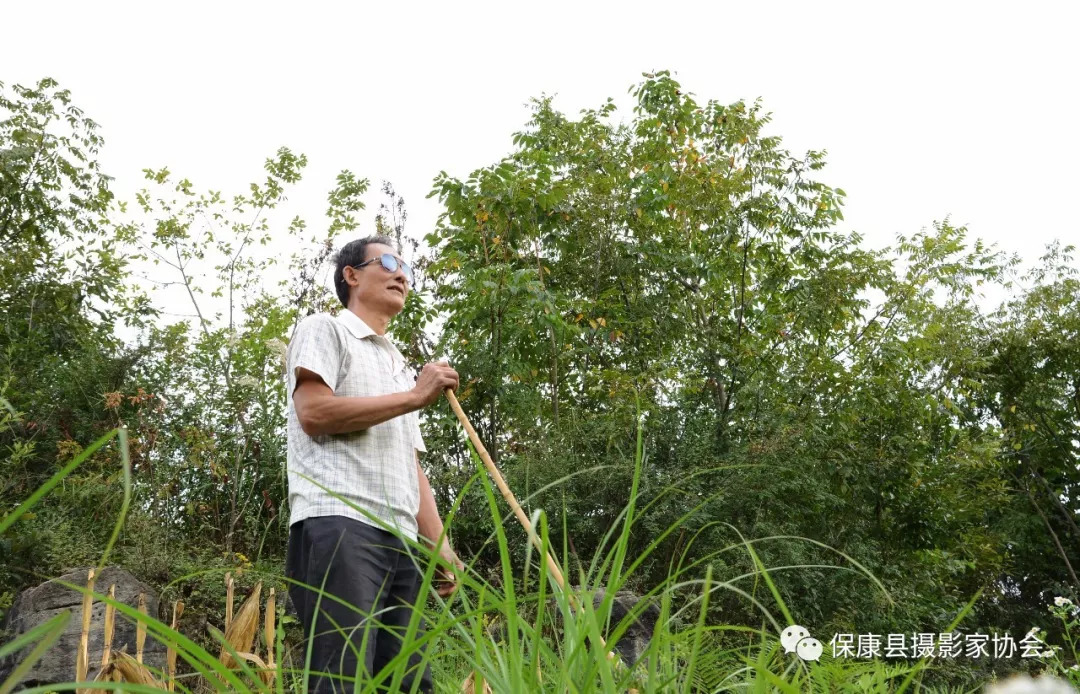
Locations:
(635, 640)
(631, 645)
(37, 605)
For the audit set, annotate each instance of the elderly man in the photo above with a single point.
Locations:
(356, 488)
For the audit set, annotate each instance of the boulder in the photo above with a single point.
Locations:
(39, 604)
(635, 640)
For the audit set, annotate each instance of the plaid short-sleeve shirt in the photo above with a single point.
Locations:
(374, 469)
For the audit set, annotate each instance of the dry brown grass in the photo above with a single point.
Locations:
(241, 639)
(170, 654)
(470, 685)
(134, 672)
(240, 633)
(230, 587)
(110, 617)
(269, 631)
(140, 630)
(82, 658)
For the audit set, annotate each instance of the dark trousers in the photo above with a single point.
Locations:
(371, 571)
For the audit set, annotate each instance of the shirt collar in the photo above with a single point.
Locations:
(361, 330)
(355, 324)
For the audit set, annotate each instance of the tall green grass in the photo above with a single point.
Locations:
(547, 644)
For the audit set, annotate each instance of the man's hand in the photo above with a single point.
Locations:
(433, 380)
(446, 577)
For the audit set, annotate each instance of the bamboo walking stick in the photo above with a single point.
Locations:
(556, 572)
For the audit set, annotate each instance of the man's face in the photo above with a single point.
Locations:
(375, 286)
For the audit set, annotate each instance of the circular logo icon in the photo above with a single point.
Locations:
(790, 637)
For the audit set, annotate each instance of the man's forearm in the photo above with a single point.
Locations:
(342, 415)
(428, 523)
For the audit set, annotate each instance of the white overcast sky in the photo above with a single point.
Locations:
(925, 109)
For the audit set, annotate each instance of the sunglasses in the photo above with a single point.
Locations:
(390, 263)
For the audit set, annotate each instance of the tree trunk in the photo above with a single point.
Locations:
(1053, 535)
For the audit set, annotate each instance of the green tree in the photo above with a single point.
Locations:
(63, 287)
(686, 265)
(1031, 397)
